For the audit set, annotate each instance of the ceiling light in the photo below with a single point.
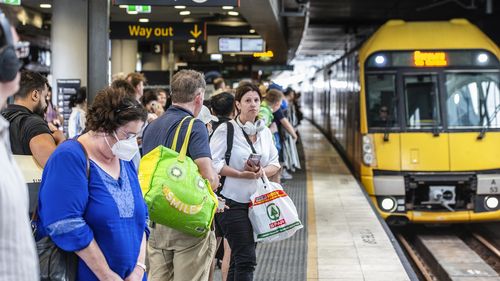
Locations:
(123, 6)
(184, 13)
(180, 7)
(252, 30)
(45, 6)
(227, 7)
(233, 13)
(192, 41)
(143, 20)
(193, 48)
(132, 12)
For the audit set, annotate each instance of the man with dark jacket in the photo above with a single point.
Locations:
(29, 133)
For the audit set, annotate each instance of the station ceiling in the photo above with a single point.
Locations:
(301, 28)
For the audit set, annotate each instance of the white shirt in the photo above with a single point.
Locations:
(18, 258)
(76, 122)
(238, 189)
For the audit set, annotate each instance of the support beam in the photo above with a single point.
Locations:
(98, 47)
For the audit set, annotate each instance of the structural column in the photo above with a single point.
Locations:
(69, 41)
(123, 56)
(98, 46)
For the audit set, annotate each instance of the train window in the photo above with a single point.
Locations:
(381, 100)
(473, 100)
(422, 103)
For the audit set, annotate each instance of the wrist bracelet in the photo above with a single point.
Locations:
(141, 265)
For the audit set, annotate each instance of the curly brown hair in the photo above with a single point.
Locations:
(113, 108)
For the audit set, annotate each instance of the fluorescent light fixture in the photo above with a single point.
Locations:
(45, 6)
(143, 20)
(233, 13)
(227, 7)
(184, 13)
(252, 30)
(180, 7)
(192, 41)
(215, 57)
(123, 6)
(132, 12)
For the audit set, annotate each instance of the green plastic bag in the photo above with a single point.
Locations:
(176, 194)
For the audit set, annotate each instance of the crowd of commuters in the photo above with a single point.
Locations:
(95, 208)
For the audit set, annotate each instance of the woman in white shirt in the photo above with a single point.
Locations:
(76, 122)
(243, 176)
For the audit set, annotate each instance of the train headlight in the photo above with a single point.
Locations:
(491, 202)
(380, 60)
(388, 204)
(368, 159)
(482, 58)
(368, 150)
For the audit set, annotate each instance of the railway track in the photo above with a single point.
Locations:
(452, 253)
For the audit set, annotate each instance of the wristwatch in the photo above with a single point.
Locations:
(142, 266)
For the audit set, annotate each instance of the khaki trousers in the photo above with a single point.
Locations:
(175, 256)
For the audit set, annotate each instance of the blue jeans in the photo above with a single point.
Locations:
(239, 233)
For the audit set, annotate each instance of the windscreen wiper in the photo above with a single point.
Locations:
(485, 128)
(386, 129)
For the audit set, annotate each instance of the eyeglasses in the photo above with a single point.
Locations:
(22, 49)
(129, 135)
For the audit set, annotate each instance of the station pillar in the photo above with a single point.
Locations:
(123, 56)
(69, 41)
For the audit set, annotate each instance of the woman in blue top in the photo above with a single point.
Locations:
(101, 217)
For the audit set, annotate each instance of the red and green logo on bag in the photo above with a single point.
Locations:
(274, 213)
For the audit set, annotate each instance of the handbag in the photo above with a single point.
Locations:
(55, 263)
(176, 194)
(272, 213)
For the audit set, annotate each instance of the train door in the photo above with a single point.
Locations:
(424, 147)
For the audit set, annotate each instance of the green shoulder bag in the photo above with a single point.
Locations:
(176, 194)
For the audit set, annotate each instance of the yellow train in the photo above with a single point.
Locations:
(416, 112)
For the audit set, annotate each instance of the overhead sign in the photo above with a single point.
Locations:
(11, 2)
(188, 3)
(156, 31)
(139, 9)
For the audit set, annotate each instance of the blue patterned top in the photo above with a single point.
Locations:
(73, 212)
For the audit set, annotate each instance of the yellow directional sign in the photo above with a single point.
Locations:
(157, 31)
(196, 33)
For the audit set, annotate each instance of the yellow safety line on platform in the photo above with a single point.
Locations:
(312, 238)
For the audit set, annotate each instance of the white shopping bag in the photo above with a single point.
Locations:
(272, 213)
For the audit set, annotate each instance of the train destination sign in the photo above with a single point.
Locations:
(429, 58)
(188, 3)
(157, 31)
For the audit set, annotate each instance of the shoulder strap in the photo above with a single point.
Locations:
(177, 131)
(183, 152)
(227, 156)
(248, 140)
(230, 137)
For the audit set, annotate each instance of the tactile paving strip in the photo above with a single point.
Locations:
(287, 260)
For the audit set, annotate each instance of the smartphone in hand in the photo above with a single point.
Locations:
(254, 158)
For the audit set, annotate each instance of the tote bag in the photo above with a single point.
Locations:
(272, 213)
(176, 194)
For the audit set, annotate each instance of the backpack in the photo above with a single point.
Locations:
(176, 194)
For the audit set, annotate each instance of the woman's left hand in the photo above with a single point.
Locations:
(136, 275)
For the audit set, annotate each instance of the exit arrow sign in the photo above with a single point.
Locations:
(196, 33)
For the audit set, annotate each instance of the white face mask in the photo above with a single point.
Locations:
(124, 149)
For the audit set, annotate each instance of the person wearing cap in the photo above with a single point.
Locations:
(207, 118)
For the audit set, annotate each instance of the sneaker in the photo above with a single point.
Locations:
(285, 175)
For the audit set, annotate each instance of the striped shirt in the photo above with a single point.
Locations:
(18, 258)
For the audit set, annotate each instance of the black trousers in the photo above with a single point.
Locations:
(238, 231)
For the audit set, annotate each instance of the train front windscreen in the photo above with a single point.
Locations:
(432, 90)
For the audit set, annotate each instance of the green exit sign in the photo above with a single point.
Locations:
(11, 2)
(138, 8)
